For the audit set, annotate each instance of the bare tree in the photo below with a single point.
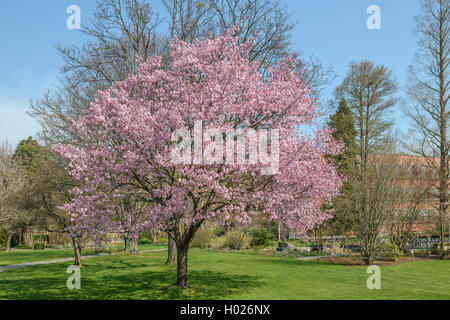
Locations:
(12, 181)
(119, 34)
(267, 21)
(374, 200)
(369, 91)
(190, 19)
(428, 91)
(410, 201)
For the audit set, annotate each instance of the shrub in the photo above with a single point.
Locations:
(335, 248)
(163, 238)
(217, 243)
(203, 237)
(221, 230)
(145, 240)
(37, 247)
(237, 240)
(435, 250)
(391, 252)
(99, 249)
(422, 253)
(439, 252)
(261, 237)
(150, 237)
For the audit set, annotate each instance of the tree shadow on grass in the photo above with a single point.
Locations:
(50, 284)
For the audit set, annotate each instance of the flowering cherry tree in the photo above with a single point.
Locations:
(129, 141)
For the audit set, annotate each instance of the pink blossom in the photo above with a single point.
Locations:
(127, 133)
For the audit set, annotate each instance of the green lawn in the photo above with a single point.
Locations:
(217, 275)
(17, 257)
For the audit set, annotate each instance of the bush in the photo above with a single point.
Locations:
(261, 237)
(145, 240)
(163, 238)
(435, 250)
(203, 237)
(99, 249)
(217, 243)
(391, 252)
(37, 247)
(422, 253)
(439, 252)
(237, 240)
(151, 237)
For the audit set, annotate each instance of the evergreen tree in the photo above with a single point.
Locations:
(28, 152)
(343, 124)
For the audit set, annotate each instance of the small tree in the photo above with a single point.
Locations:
(428, 90)
(374, 200)
(413, 192)
(47, 189)
(12, 181)
(370, 91)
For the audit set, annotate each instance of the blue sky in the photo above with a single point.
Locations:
(332, 30)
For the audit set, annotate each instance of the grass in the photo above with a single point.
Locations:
(17, 257)
(219, 275)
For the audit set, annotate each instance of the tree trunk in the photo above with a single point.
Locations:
(368, 256)
(8, 243)
(131, 245)
(155, 236)
(77, 251)
(367, 260)
(182, 242)
(172, 251)
(182, 269)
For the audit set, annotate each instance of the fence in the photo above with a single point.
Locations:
(428, 242)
